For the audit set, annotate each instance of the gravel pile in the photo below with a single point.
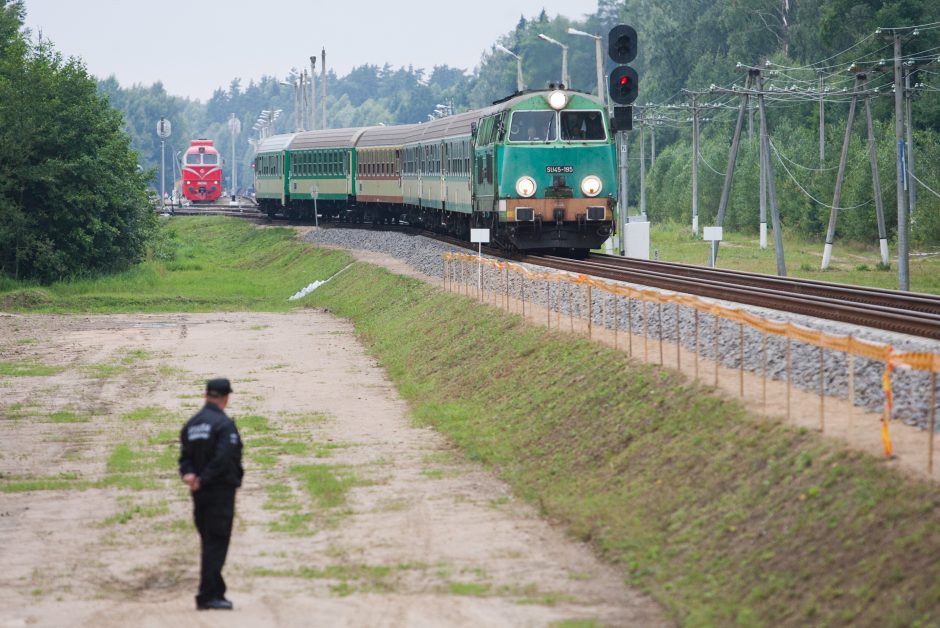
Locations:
(911, 388)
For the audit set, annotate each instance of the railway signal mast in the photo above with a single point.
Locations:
(623, 86)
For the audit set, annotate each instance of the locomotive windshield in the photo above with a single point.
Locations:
(532, 126)
(209, 159)
(582, 125)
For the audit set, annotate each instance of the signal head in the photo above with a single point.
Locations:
(621, 43)
(624, 84)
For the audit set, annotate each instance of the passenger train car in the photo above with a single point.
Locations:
(202, 172)
(537, 169)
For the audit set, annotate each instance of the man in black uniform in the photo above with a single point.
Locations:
(211, 465)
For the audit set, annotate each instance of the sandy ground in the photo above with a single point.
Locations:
(425, 538)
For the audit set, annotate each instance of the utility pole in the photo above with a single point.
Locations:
(695, 133)
(876, 183)
(164, 128)
(653, 144)
(695, 150)
(313, 93)
(305, 121)
(909, 101)
(732, 160)
(762, 175)
(643, 163)
(822, 118)
(840, 177)
(323, 78)
(599, 63)
(235, 126)
(904, 280)
(771, 185)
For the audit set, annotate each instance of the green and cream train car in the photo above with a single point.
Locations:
(537, 169)
(271, 162)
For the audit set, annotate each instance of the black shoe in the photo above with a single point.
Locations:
(214, 605)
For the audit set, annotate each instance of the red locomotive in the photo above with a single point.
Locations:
(202, 172)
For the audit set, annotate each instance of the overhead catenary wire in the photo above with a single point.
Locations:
(932, 191)
(802, 189)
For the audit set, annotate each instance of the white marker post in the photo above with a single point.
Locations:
(314, 193)
(712, 235)
(480, 236)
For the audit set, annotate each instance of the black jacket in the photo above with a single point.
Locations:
(211, 447)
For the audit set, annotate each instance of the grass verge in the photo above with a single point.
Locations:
(852, 262)
(212, 264)
(724, 517)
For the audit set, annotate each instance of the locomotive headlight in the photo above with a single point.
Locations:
(591, 185)
(525, 186)
(557, 100)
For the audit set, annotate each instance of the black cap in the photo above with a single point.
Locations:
(220, 386)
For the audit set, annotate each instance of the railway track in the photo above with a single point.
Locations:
(244, 208)
(904, 312)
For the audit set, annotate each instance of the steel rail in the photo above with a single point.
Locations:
(831, 307)
(914, 301)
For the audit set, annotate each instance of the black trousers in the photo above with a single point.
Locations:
(213, 512)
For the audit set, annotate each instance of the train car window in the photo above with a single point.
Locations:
(192, 159)
(582, 126)
(210, 159)
(532, 126)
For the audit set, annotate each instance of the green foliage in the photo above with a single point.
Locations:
(71, 198)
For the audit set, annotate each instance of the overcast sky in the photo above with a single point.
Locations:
(195, 46)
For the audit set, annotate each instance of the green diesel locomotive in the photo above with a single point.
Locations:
(537, 169)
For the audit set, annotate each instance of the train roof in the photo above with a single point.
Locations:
(401, 134)
(275, 143)
(327, 138)
(396, 135)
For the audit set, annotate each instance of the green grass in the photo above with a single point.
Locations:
(852, 262)
(137, 511)
(218, 264)
(153, 414)
(724, 517)
(326, 484)
(70, 416)
(63, 481)
(28, 369)
(103, 370)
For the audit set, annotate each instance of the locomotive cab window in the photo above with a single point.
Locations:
(192, 159)
(582, 126)
(532, 126)
(210, 159)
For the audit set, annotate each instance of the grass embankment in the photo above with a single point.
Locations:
(724, 517)
(852, 262)
(207, 264)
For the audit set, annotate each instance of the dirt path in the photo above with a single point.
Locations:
(399, 529)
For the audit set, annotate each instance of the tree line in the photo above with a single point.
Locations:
(72, 197)
(681, 46)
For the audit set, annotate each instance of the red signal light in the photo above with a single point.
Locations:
(624, 80)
